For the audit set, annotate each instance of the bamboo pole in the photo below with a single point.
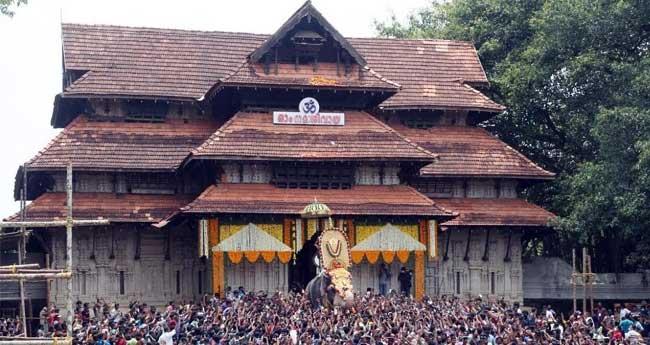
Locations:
(573, 281)
(36, 341)
(7, 235)
(11, 267)
(43, 270)
(68, 245)
(53, 224)
(21, 253)
(592, 278)
(584, 279)
(34, 276)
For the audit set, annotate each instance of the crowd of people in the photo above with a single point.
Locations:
(288, 318)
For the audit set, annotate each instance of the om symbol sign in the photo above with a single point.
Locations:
(309, 106)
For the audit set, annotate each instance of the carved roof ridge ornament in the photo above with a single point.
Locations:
(306, 10)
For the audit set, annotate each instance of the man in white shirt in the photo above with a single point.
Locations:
(167, 338)
(633, 336)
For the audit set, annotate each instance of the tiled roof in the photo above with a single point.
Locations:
(359, 200)
(494, 212)
(123, 145)
(254, 136)
(471, 151)
(145, 208)
(126, 61)
(432, 73)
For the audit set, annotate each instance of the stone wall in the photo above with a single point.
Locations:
(549, 278)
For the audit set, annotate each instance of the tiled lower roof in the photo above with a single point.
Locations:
(254, 136)
(146, 208)
(471, 151)
(495, 212)
(93, 145)
(359, 200)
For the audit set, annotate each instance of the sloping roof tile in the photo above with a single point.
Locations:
(359, 200)
(129, 61)
(144, 208)
(254, 136)
(123, 145)
(495, 212)
(471, 151)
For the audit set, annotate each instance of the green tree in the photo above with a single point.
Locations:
(6, 6)
(565, 69)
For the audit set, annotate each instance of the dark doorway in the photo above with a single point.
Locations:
(304, 269)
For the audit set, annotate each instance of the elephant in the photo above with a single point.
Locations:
(322, 292)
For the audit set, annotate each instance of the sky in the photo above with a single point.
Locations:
(30, 52)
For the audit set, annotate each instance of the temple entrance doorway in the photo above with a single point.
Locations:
(304, 269)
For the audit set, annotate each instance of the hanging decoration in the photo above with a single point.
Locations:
(218, 273)
(433, 239)
(204, 240)
(419, 274)
(390, 242)
(252, 243)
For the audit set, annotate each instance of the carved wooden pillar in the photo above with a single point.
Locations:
(446, 257)
(168, 245)
(469, 239)
(94, 237)
(507, 257)
(486, 255)
(112, 254)
(138, 243)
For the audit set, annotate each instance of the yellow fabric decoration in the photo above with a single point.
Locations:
(274, 230)
(217, 273)
(403, 256)
(357, 257)
(252, 256)
(364, 230)
(419, 274)
(410, 229)
(388, 256)
(311, 228)
(372, 256)
(284, 257)
(235, 257)
(227, 230)
(268, 256)
(213, 233)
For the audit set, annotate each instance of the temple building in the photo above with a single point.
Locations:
(201, 149)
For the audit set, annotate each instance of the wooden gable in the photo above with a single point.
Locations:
(307, 38)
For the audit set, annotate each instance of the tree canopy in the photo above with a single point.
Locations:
(7, 6)
(575, 76)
